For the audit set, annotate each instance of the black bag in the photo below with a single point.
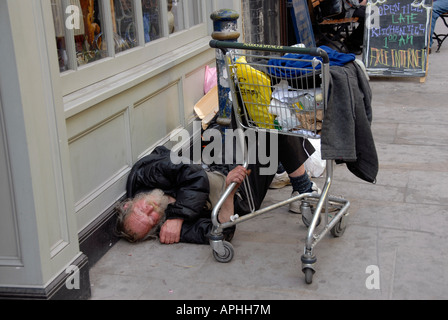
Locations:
(330, 8)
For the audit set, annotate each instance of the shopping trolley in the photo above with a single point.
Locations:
(283, 89)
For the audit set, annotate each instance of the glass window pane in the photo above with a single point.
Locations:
(89, 41)
(195, 12)
(152, 23)
(125, 35)
(58, 20)
(175, 16)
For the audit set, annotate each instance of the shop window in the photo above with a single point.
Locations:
(81, 21)
(89, 41)
(195, 12)
(92, 30)
(152, 21)
(58, 19)
(180, 14)
(123, 22)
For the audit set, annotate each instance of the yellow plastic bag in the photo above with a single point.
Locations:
(255, 89)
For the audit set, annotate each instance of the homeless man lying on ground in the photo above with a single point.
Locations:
(175, 201)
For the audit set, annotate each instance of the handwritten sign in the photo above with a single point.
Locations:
(396, 37)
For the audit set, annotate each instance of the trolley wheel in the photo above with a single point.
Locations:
(307, 221)
(308, 275)
(228, 253)
(339, 228)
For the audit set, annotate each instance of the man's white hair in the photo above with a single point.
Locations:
(125, 208)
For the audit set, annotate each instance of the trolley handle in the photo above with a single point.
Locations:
(317, 52)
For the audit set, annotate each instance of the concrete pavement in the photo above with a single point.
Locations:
(397, 228)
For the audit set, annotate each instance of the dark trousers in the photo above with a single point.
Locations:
(292, 153)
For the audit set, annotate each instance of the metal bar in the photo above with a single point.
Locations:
(324, 195)
(317, 52)
(138, 12)
(330, 225)
(70, 41)
(264, 210)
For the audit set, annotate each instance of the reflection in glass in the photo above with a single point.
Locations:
(88, 46)
(89, 43)
(125, 35)
(175, 16)
(58, 21)
(194, 12)
(152, 23)
(86, 42)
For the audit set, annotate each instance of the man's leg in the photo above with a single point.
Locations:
(300, 171)
(258, 185)
(439, 7)
(292, 155)
(300, 181)
(293, 152)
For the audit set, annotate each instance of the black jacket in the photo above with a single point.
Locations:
(187, 183)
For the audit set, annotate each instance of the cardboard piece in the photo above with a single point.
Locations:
(208, 106)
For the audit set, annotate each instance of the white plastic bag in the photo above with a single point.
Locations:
(314, 165)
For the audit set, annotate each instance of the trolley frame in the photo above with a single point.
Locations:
(334, 209)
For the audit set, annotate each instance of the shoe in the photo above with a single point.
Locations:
(294, 207)
(280, 180)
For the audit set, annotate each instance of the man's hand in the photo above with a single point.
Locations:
(236, 175)
(170, 231)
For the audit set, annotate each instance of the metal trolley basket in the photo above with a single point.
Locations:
(271, 91)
